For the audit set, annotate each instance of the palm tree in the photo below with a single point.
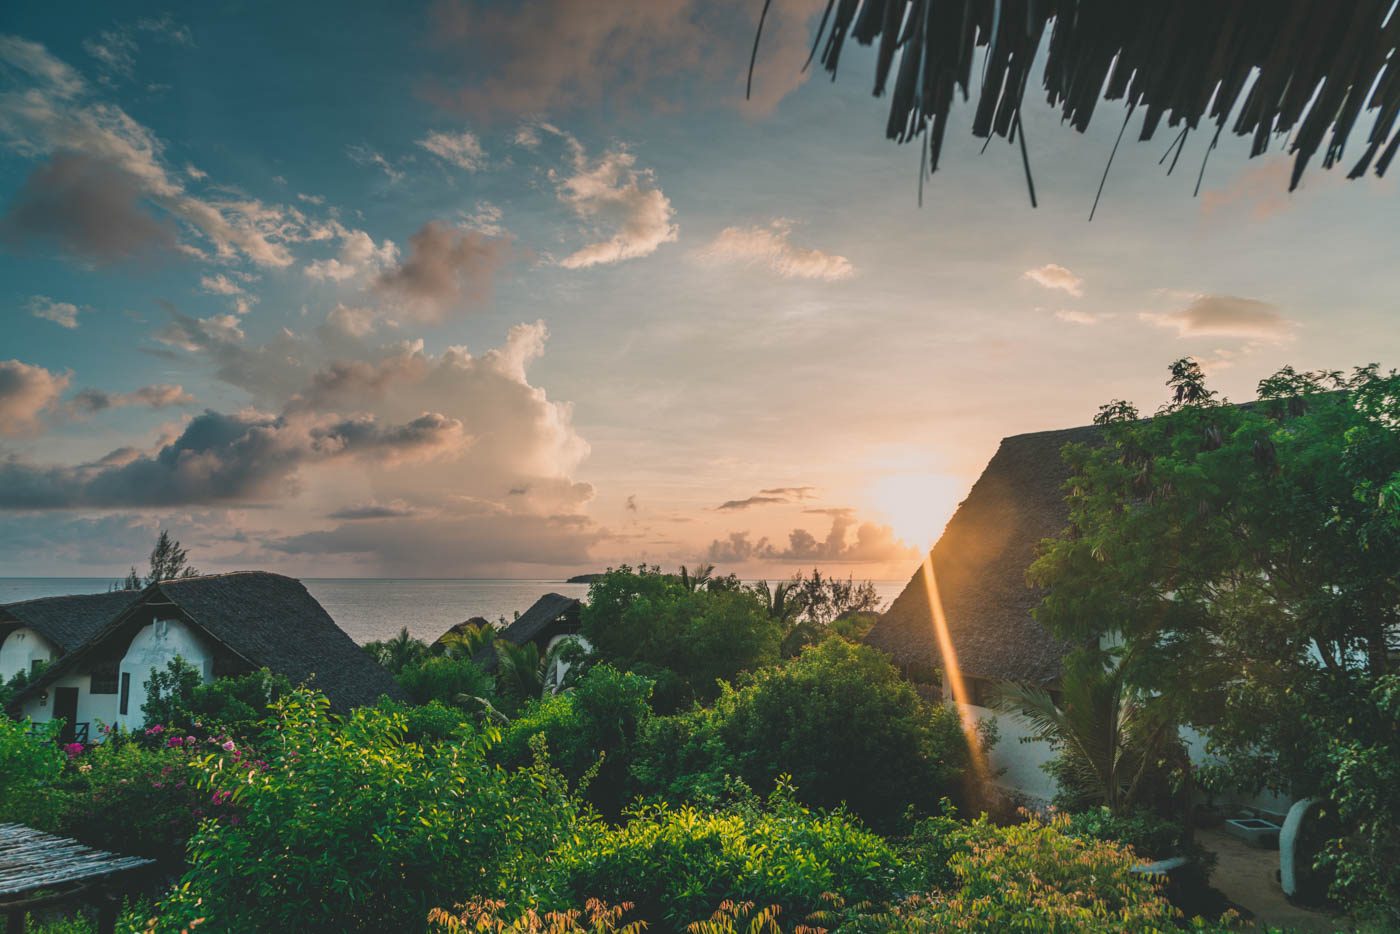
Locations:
(466, 641)
(398, 653)
(1110, 735)
(783, 603)
(523, 673)
(699, 580)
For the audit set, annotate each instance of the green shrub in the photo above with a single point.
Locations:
(433, 722)
(678, 863)
(838, 719)
(655, 624)
(31, 767)
(234, 705)
(350, 827)
(445, 679)
(1036, 877)
(593, 725)
(1150, 836)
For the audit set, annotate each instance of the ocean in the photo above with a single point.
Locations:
(370, 609)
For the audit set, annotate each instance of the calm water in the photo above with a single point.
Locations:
(376, 609)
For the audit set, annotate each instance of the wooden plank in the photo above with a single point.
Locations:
(31, 860)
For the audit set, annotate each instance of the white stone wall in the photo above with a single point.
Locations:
(1019, 763)
(21, 649)
(93, 709)
(154, 647)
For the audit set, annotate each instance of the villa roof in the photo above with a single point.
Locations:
(463, 626)
(269, 621)
(980, 566)
(533, 624)
(69, 621)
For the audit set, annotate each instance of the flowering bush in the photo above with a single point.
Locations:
(350, 826)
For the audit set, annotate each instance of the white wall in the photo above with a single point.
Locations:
(154, 647)
(1020, 763)
(562, 667)
(21, 649)
(93, 709)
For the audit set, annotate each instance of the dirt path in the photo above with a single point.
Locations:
(1246, 876)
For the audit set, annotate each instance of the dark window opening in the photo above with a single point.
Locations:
(126, 693)
(104, 679)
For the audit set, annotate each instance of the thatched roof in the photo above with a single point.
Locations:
(266, 620)
(551, 615)
(980, 565)
(459, 628)
(68, 621)
(1189, 62)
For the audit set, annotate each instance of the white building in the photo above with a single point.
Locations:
(970, 599)
(221, 625)
(36, 634)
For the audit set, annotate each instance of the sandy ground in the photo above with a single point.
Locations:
(1247, 876)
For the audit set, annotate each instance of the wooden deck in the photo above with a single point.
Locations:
(38, 869)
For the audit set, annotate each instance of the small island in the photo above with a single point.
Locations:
(584, 579)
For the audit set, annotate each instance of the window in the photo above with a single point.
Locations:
(104, 679)
(125, 702)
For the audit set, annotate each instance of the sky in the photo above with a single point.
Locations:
(527, 290)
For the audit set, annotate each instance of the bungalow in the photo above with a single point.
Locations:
(222, 625)
(979, 566)
(979, 569)
(35, 633)
(551, 620)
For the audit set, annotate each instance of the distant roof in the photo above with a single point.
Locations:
(270, 621)
(980, 565)
(532, 624)
(462, 627)
(69, 621)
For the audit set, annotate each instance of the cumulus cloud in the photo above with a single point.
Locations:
(96, 150)
(1054, 276)
(26, 392)
(63, 314)
(558, 54)
(86, 207)
(771, 246)
(614, 197)
(359, 255)
(447, 270)
(1225, 316)
(244, 457)
(873, 543)
(460, 149)
(159, 396)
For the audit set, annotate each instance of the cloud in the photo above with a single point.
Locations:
(461, 149)
(770, 246)
(734, 504)
(771, 496)
(115, 49)
(632, 503)
(1070, 316)
(447, 270)
(63, 314)
(612, 194)
(27, 391)
(158, 396)
(358, 255)
(97, 150)
(873, 543)
(1053, 276)
(562, 55)
(87, 208)
(245, 457)
(1225, 316)
(361, 154)
(220, 285)
(364, 511)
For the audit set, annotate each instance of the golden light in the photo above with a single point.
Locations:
(952, 673)
(916, 505)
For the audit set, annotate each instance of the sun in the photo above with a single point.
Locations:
(916, 505)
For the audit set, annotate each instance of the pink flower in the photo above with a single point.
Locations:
(74, 750)
(189, 740)
(220, 797)
(228, 746)
(155, 730)
(175, 741)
